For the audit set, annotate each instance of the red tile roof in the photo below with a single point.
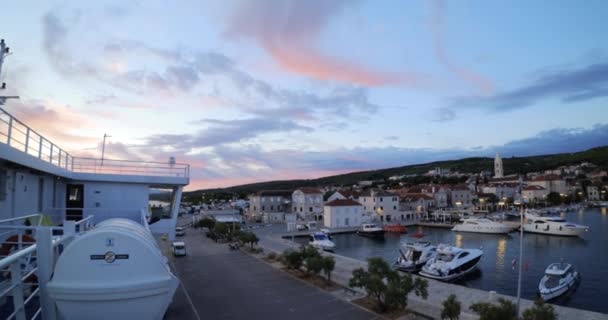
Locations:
(416, 197)
(549, 177)
(342, 203)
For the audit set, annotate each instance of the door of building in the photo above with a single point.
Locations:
(74, 201)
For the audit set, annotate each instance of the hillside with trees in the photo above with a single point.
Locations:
(597, 156)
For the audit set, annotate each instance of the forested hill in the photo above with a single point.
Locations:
(597, 156)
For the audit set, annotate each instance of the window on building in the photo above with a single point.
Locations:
(271, 208)
(310, 209)
(381, 208)
(394, 207)
(263, 208)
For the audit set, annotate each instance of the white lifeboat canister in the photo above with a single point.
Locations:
(115, 271)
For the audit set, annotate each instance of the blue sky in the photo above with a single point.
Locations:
(257, 90)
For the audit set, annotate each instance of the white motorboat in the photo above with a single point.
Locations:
(414, 255)
(481, 225)
(451, 262)
(320, 240)
(553, 225)
(371, 230)
(558, 279)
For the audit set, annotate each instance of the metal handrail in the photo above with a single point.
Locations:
(18, 135)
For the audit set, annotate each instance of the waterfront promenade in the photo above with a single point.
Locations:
(271, 239)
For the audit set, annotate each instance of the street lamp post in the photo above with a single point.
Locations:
(103, 146)
(521, 251)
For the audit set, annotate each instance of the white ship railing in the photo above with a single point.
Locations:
(30, 267)
(18, 135)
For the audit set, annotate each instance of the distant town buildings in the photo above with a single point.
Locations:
(534, 193)
(369, 200)
(382, 203)
(593, 193)
(342, 213)
(269, 202)
(307, 203)
(551, 182)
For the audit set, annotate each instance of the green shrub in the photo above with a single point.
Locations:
(328, 265)
(313, 265)
(271, 256)
(386, 286)
(293, 259)
(504, 310)
(540, 311)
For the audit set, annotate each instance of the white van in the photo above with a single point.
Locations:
(179, 248)
(180, 231)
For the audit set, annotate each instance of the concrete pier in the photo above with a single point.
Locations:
(438, 291)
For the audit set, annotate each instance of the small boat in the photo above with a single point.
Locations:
(418, 234)
(396, 228)
(414, 255)
(451, 262)
(553, 225)
(321, 240)
(558, 279)
(371, 230)
(481, 225)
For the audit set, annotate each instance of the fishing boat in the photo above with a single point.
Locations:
(370, 230)
(559, 278)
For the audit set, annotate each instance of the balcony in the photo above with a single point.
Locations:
(23, 145)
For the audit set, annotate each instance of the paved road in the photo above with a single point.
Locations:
(224, 284)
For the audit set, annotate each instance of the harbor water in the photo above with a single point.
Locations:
(497, 272)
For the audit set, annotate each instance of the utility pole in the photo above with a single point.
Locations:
(103, 147)
(4, 51)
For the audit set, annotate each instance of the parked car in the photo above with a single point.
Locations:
(180, 231)
(179, 248)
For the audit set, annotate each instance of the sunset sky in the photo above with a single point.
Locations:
(260, 90)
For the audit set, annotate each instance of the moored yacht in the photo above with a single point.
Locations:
(414, 255)
(371, 230)
(481, 225)
(553, 225)
(558, 279)
(321, 240)
(451, 262)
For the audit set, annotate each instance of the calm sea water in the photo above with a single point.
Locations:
(589, 255)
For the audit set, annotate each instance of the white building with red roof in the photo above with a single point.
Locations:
(342, 213)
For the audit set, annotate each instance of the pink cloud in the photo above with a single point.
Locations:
(436, 25)
(61, 124)
(289, 32)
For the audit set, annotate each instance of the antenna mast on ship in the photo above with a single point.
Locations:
(4, 51)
